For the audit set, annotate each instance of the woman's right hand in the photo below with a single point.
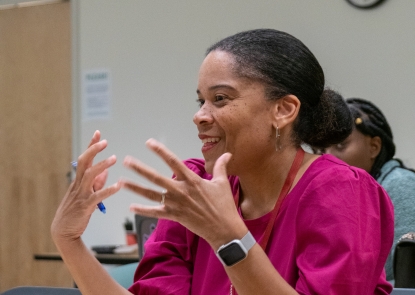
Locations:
(84, 193)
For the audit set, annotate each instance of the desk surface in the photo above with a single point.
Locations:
(103, 258)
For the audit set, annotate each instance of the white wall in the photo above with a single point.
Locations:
(154, 48)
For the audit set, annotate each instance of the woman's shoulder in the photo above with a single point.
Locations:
(334, 186)
(328, 168)
(393, 172)
(329, 176)
(398, 182)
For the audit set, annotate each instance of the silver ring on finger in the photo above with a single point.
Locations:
(163, 196)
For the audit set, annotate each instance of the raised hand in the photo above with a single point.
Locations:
(84, 193)
(206, 207)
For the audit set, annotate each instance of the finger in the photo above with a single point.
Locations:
(141, 190)
(91, 173)
(86, 158)
(100, 180)
(220, 167)
(95, 138)
(150, 211)
(177, 166)
(103, 194)
(148, 173)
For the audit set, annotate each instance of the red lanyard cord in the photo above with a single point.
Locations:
(295, 166)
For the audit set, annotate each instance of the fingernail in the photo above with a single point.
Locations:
(150, 141)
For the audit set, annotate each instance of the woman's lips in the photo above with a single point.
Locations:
(209, 143)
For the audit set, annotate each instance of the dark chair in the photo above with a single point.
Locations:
(404, 262)
(144, 226)
(36, 290)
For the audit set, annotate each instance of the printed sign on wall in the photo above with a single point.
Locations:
(96, 94)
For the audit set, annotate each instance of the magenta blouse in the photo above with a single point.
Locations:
(332, 236)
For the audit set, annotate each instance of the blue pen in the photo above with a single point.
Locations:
(100, 205)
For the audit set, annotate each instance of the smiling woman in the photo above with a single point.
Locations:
(225, 221)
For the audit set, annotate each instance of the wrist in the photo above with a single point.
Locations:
(236, 250)
(235, 232)
(64, 244)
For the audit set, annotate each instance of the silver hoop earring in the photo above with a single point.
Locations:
(277, 143)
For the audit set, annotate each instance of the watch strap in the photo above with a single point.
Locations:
(248, 241)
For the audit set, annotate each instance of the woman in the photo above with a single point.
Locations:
(370, 146)
(258, 215)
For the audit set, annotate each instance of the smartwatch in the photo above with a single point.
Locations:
(236, 250)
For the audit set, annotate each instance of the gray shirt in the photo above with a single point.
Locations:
(399, 183)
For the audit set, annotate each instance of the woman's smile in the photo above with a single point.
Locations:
(208, 142)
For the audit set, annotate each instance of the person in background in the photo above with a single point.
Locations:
(257, 215)
(370, 146)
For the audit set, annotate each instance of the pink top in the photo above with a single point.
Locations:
(332, 236)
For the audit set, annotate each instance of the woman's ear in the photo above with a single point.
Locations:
(375, 146)
(286, 110)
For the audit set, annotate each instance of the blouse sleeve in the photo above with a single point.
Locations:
(167, 266)
(344, 233)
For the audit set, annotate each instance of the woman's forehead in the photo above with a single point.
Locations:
(217, 62)
(217, 69)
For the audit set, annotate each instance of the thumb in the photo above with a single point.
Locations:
(219, 169)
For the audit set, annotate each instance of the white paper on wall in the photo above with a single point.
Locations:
(96, 94)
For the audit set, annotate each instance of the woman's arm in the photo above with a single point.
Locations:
(256, 275)
(72, 218)
(90, 277)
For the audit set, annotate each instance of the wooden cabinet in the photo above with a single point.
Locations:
(35, 139)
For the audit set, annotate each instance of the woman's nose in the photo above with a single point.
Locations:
(203, 115)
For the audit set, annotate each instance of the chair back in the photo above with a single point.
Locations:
(37, 290)
(144, 227)
(404, 261)
(124, 274)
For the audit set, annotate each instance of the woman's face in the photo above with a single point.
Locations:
(234, 115)
(356, 150)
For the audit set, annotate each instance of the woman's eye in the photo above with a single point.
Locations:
(200, 102)
(219, 97)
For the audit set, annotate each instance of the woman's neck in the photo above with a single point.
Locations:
(260, 188)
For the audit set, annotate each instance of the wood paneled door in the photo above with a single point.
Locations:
(35, 139)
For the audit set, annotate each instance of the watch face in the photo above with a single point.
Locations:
(364, 3)
(231, 254)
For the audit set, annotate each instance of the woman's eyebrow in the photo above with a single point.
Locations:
(217, 87)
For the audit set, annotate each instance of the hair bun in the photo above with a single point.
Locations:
(329, 124)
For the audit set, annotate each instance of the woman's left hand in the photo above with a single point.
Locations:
(205, 207)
